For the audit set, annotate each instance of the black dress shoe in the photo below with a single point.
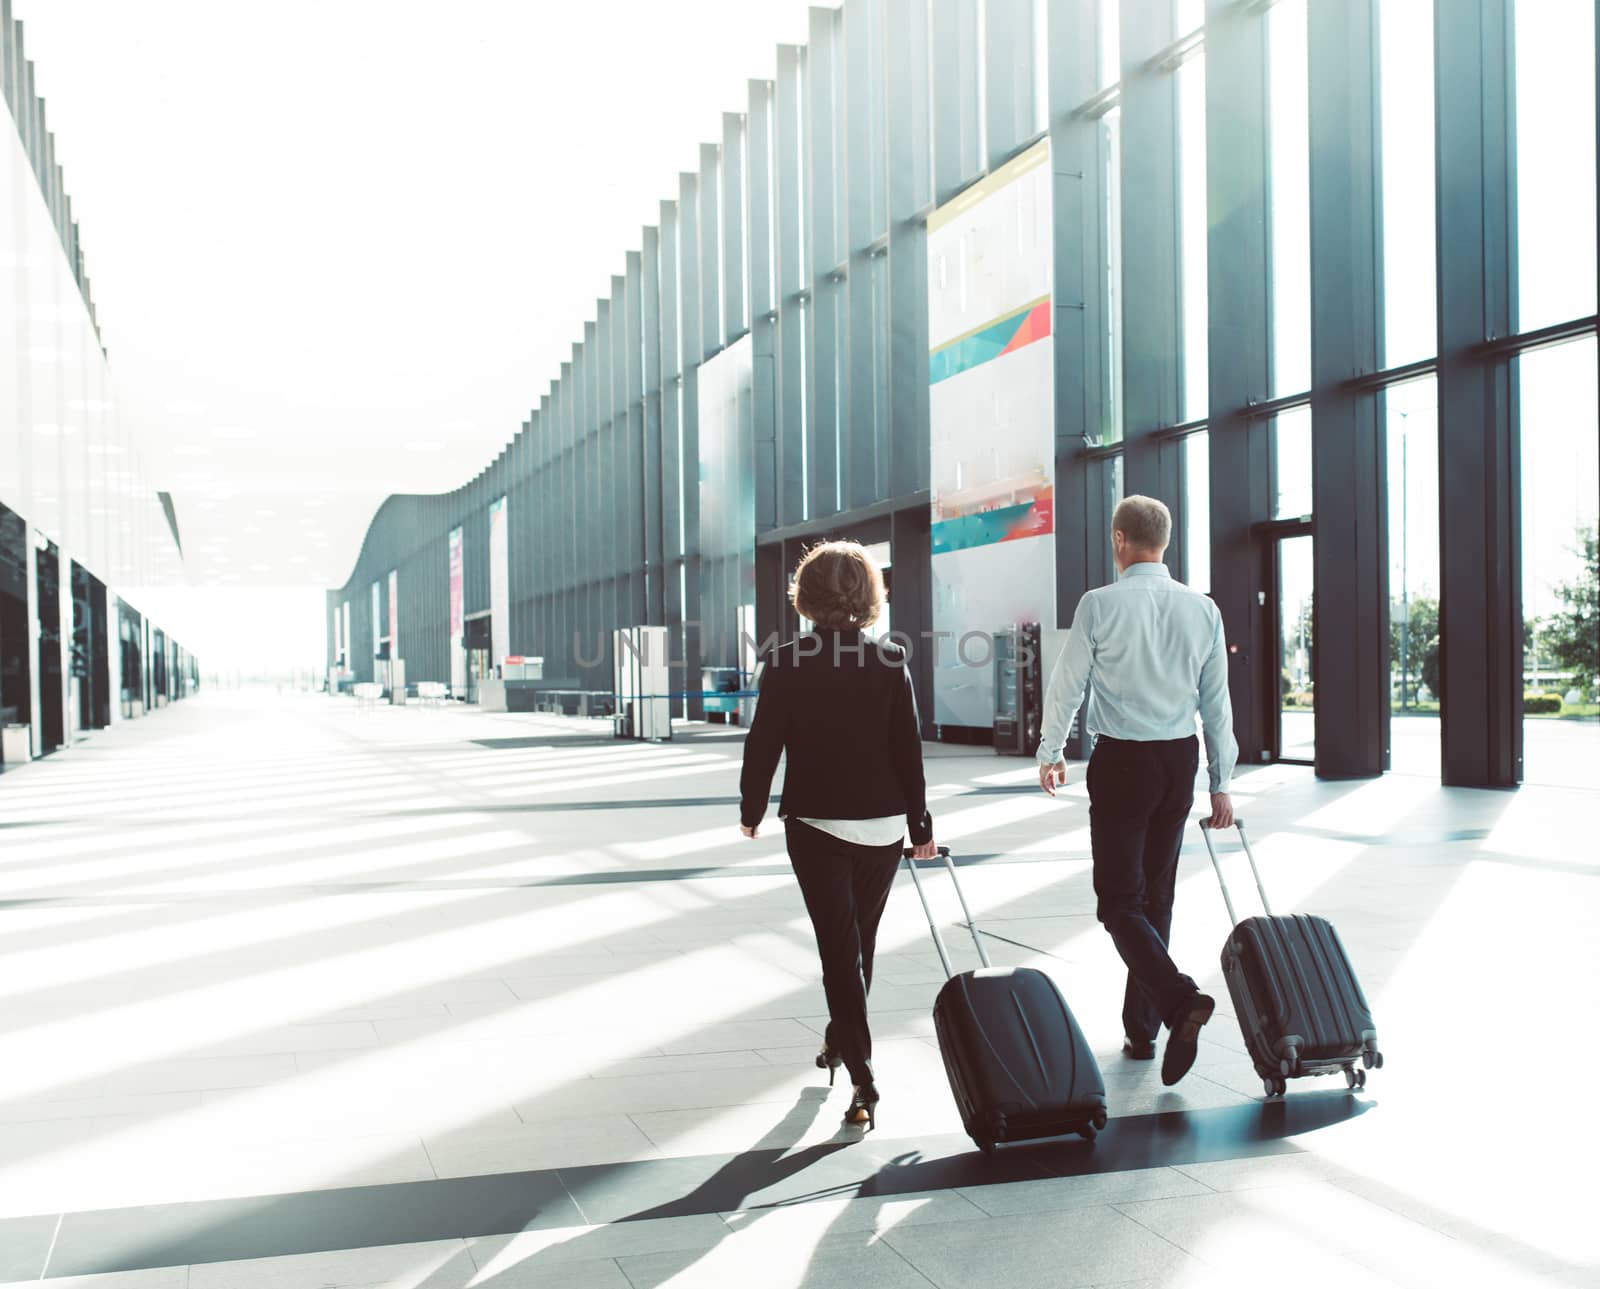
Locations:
(1136, 1050)
(1184, 1043)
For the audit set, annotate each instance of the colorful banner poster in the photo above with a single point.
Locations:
(499, 585)
(394, 613)
(991, 403)
(458, 612)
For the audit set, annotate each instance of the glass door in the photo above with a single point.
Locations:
(1292, 605)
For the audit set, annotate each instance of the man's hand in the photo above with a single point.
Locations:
(748, 832)
(1053, 776)
(927, 850)
(1221, 810)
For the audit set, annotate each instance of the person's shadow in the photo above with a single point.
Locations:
(725, 1190)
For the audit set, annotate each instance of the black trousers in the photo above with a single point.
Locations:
(1140, 796)
(846, 888)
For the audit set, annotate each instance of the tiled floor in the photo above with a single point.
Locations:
(295, 995)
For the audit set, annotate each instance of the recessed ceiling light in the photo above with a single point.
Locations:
(233, 432)
(105, 449)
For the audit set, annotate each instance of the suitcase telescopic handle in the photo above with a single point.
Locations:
(1205, 831)
(927, 909)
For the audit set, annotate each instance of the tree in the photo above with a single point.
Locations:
(1570, 637)
(1417, 641)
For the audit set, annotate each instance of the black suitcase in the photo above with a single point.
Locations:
(1299, 1004)
(1018, 1063)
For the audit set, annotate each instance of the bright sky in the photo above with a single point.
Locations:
(340, 247)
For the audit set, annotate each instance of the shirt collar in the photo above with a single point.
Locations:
(1147, 568)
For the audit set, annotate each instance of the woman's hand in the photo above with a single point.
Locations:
(927, 850)
(1052, 777)
(748, 832)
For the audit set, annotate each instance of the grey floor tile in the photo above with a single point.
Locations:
(157, 1278)
(852, 1258)
(1054, 1194)
(338, 1268)
(685, 1062)
(553, 1143)
(1075, 1247)
(24, 1244)
(496, 1254)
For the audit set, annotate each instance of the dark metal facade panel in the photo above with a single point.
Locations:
(1238, 263)
(1349, 501)
(1008, 77)
(760, 203)
(909, 137)
(790, 233)
(957, 140)
(733, 262)
(1152, 306)
(709, 213)
(1480, 609)
(1078, 312)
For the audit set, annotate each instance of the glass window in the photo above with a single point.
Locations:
(1193, 227)
(1041, 65)
(1405, 36)
(1555, 161)
(1291, 464)
(1106, 481)
(1411, 436)
(1290, 197)
(1197, 511)
(1189, 15)
(1111, 157)
(1560, 509)
(1110, 42)
(877, 144)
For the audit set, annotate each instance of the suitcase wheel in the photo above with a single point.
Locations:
(1354, 1078)
(986, 1146)
(1275, 1085)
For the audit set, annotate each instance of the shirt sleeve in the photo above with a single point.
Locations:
(1216, 711)
(1069, 678)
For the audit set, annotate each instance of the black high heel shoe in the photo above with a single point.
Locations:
(829, 1060)
(863, 1106)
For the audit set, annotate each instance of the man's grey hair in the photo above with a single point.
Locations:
(1144, 521)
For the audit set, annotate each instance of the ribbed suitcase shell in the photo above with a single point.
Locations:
(1018, 1064)
(1296, 995)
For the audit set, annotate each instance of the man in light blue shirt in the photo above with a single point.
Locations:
(1150, 653)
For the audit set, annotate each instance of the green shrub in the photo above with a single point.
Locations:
(1541, 704)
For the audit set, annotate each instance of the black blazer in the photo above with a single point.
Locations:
(842, 707)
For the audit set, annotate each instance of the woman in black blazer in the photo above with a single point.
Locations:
(841, 705)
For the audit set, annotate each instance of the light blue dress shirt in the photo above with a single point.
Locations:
(1151, 654)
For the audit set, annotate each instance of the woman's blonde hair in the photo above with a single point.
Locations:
(838, 587)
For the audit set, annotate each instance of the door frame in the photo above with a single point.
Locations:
(1269, 538)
